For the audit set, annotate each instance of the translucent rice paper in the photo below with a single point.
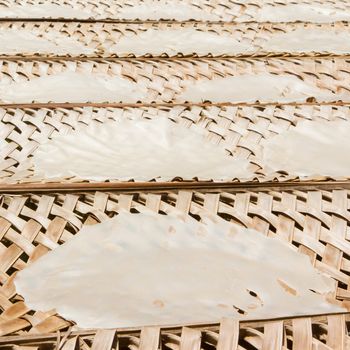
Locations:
(309, 40)
(150, 269)
(28, 10)
(19, 41)
(310, 148)
(263, 87)
(156, 10)
(72, 87)
(141, 150)
(183, 40)
(316, 13)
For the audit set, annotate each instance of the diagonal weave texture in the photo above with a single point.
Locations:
(307, 333)
(103, 38)
(164, 80)
(316, 223)
(220, 10)
(240, 129)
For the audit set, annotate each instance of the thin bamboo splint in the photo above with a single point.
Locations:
(125, 39)
(240, 129)
(307, 333)
(162, 80)
(214, 10)
(315, 222)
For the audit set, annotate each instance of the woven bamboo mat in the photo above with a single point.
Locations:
(165, 79)
(315, 222)
(219, 10)
(326, 332)
(103, 38)
(238, 128)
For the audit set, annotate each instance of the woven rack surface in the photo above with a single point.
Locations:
(327, 333)
(220, 10)
(165, 79)
(239, 129)
(316, 223)
(103, 38)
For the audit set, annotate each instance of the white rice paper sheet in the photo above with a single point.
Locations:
(171, 10)
(302, 12)
(310, 149)
(309, 40)
(44, 10)
(72, 87)
(263, 87)
(142, 150)
(186, 41)
(23, 41)
(150, 269)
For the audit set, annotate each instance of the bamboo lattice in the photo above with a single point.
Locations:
(307, 333)
(103, 38)
(316, 223)
(164, 80)
(219, 10)
(240, 129)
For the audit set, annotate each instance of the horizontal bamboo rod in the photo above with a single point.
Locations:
(170, 104)
(170, 186)
(136, 21)
(164, 57)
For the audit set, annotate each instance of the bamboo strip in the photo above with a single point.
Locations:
(131, 187)
(245, 333)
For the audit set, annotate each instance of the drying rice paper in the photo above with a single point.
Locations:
(156, 10)
(184, 40)
(20, 41)
(310, 148)
(309, 40)
(141, 150)
(43, 10)
(317, 13)
(189, 41)
(72, 87)
(178, 10)
(150, 269)
(82, 87)
(263, 87)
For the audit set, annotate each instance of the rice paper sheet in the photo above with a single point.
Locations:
(152, 269)
(142, 150)
(310, 149)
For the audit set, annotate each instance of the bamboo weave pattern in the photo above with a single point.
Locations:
(103, 38)
(314, 222)
(239, 129)
(329, 333)
(220, 10)
(165, 80)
